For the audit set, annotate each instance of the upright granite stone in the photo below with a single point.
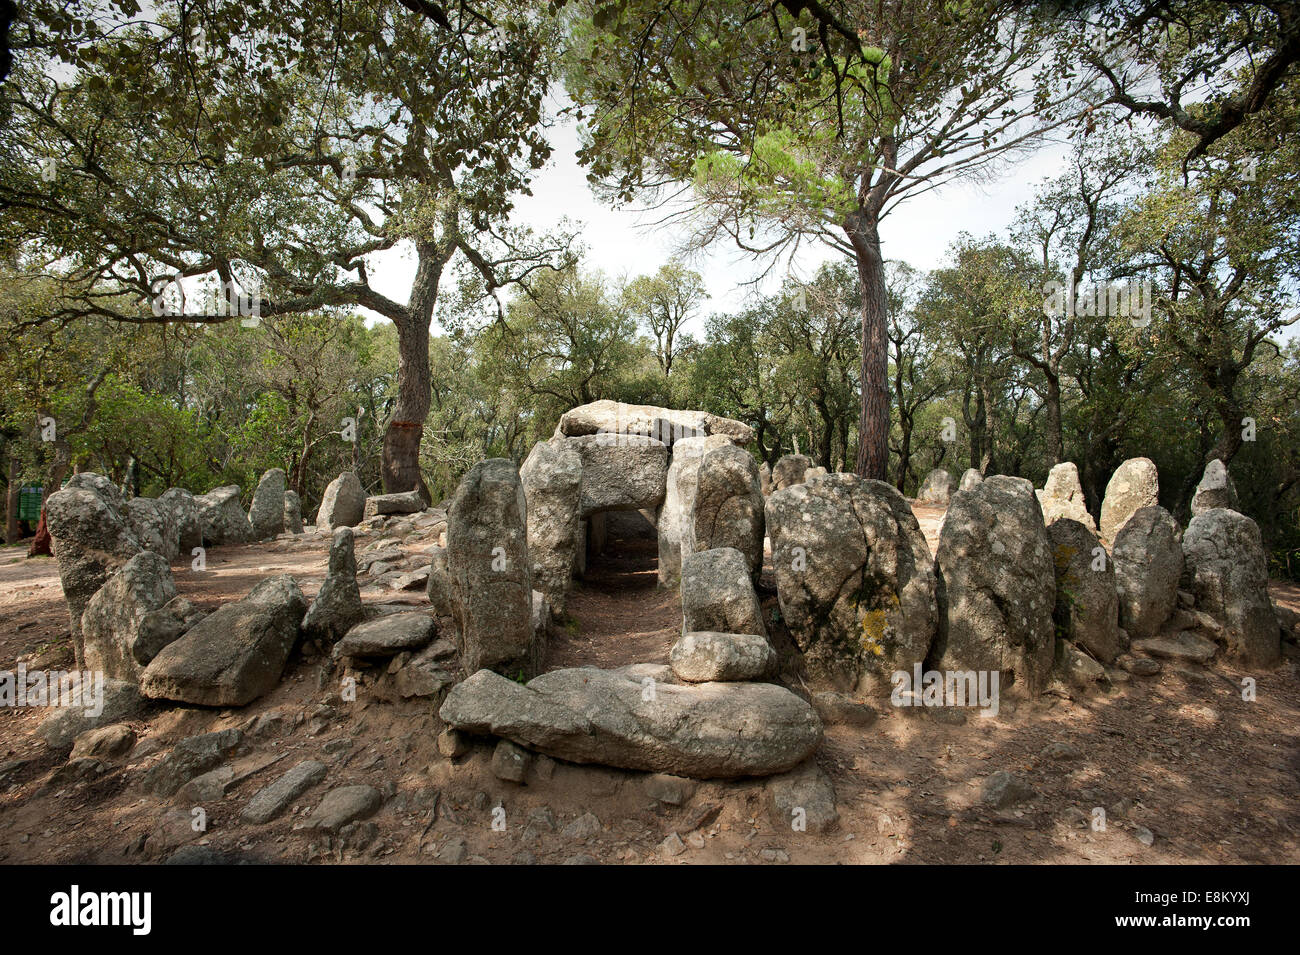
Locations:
(552, 479)
(718, 594)
(92, 539)
(337, 607)
(184, 510)
(729, 505)
(937, 488)
(490, 570)
(1134, 485)
(854, 578)
(1087, 603)
(292, 512)
(233, 655)
(1215, 490)
(111, 624)
(970, 478)
(1148, 557)
(1225, 560)
(343, 505)
(222, 518)
(154, 525)
(621, 472)
(585, 715)
(789, 470)
(997, 586)
(764, 478)
(266, 514)
(676, 523)
(1062, 497)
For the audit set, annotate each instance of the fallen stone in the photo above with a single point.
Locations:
(803, 800)
(727, 657)
(273, 799)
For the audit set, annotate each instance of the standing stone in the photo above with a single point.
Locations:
(764, 478)
(1148, 558)
(490, 571)
(552, 479)
(111, 622)
(998, 585)
(936, 489)
(718, 594)
(676, 523)
(971, 478)
(789, 470)
(222, 519)
(729, 505)
(854, 578)
(266, 515)
(621, 472)
(439, 590)
(343, 505)
(154, 526)
(1087, 604)
(185, 516)
(92, 539)
(1215, 490)
(1229, 572)
(337, 607)
(1134, 485)
(1062, 497)
(292, 512)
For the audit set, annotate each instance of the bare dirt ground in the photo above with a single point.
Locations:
(1185, 769)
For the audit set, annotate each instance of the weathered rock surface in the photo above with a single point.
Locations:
(1134, 485)
(718, 595)
(663, 424)
(621, 472)
(337, 607)
(725, 657)
(802, 800)
(998, 585)
(402, 502)
(189, 758)
(937, 488)
(1062, 497)
(970, 478)
(106, 742)
(266, 513)
(854, 577)
(273, 799)
(729, 505)
(185, 517)
(490, 571)
(112, 620)
(706, 730)
(789, 470)
(1148, 558)
(387, 636)
(552, 479)
(1183, 645)
(154, 526)
(233, 655)
(1228, 567)
(221, 517)
(343, 505)
(676, 523)
(1215, 490)
(345, 804)
(165, 625)
(119, 701)
(1087, 602)
(292, 512)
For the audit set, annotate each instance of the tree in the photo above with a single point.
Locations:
(810, 121)
(663, 303)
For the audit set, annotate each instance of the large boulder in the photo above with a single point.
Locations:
(663, 424)
(726, 657)
(163, 626)
(233, 655)
(937, 488)
(337, 607)
(1148, 558)
(854, 578)
(552, 479)
(1228, 568)
(621, 472)
(585, 715)
(676, 524)
(292, 512)
(1134, 485)
(997, 585)
(266, 513)
(221, 517)
(343, 505)
(970, 478)
(729, 505)
(1087, 604)
(1215, 490)
(154, 525)
(183, 508)
(387, 636)
(789, 470)
(718, 594)
(1062, 497)
(402, 502)
(92, 539)
(490, 570)
(111, 623)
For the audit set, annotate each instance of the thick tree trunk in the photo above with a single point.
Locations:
(873, 413)
(11, 503)
(1055, 445)
(400, 468)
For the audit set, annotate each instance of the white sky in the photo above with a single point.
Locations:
(624, 242)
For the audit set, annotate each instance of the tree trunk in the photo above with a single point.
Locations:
(400, 468)
(1055, 446)
(11, 504)
(873, 413)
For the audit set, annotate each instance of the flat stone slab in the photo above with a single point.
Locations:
(269, 801)
(1184, 645)
(587, 715)
(404, 502)
(387, 636)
